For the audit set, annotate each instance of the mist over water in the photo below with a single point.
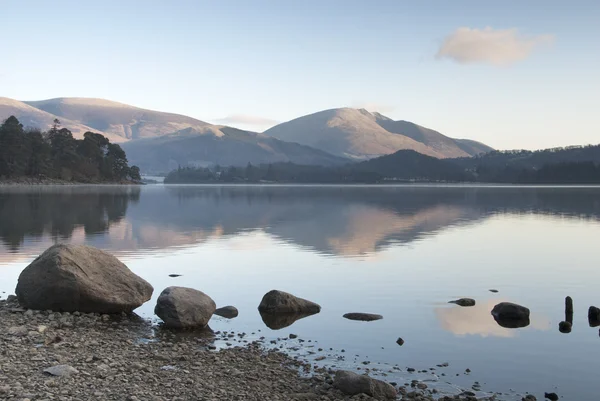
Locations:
(399, 251)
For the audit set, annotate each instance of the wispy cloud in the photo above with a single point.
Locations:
(244, 119)
(491, 46)
(373, 106)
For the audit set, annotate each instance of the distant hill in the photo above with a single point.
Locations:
(360, 135)
(222, 145)
(408, 164)
(32, 117)
(118, 119)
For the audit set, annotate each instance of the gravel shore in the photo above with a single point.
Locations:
(101, 357)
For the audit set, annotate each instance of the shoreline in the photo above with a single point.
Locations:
(28, 181)
(125, 357)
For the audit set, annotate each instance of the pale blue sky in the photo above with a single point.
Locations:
(248, 62)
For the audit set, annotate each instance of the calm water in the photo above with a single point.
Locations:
(402, 252)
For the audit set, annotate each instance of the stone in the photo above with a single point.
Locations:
(61, 370)
(529, 397)
(565, 327)
(363, 317)
(463, 302)
(351, 383)
(18, 331)
(276, 301)
(551, 396)
(184, 308)
(400, 341)
(510, 311)
(68, 278)
(228, 312)
(174, 275)
(493, 290)
(594, 316)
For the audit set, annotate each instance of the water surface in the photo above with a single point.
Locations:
(399, 251)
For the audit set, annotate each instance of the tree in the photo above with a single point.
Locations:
(134, 173)
(14, 151)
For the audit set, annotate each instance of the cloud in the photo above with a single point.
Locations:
(244, 119)
(488, 45)
(372, 107)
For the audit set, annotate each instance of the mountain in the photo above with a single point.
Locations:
(359, 134)
(118, 119)
(32, 117)
(219, 145)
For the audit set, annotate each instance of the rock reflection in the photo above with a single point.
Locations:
(278, 321)
(512, 323)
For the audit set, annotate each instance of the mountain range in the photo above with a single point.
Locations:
(158, 141)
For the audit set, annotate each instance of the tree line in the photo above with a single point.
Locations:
(56, 154)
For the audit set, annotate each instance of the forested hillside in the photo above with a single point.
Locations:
(57, 155)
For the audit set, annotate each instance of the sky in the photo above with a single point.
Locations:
(511, 74)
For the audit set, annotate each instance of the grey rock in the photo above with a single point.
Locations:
(364, 317)
(400, 341)
(594, 316)
(18, 331)
(282, 302)
(351, 383)
(228, 312)
(61, 370)
(463, 302)
(510, 311)
(70, 278)
(551, 396)
(565, 327)
(529, 397)
(183, 308)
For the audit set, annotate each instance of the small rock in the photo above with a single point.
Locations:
(493, 290)
(551, 396)
(292, 336)
(463, 302)
(18, 331)
(363, 317)
(565, 327)
(351, 383)
(400, 341)
(174, 275)
(529, 397)
(61, 370)
(228, 312)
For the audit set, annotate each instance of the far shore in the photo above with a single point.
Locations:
(25, 181)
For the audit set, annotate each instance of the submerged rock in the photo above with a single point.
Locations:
(69, 278)
(363, 317)
(351, 383)
(282, 302)
(228, 312)
(463, 302)
(510, 311)
(184, 308)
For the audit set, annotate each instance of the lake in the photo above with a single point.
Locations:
(399, 251)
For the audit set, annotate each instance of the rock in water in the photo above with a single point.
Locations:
(61, 370)
(400, 341)
(463, 302)
(529, 397)
(276, 301)
(184, 308)
(565, 327)
(351, 383)
(364, 317)
(69, 278)
(510, 311)
(594, 316)
(551, 396)
(228, 312)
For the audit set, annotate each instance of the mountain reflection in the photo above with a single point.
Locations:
(341, 221)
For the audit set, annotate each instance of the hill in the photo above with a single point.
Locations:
(219, 145)
(117, 119)
(360, 135)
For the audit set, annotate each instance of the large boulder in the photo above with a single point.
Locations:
(351, 383)
(69, 278)
(184, 308)
(281, 302)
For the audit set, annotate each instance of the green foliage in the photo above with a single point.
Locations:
(56, 154)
